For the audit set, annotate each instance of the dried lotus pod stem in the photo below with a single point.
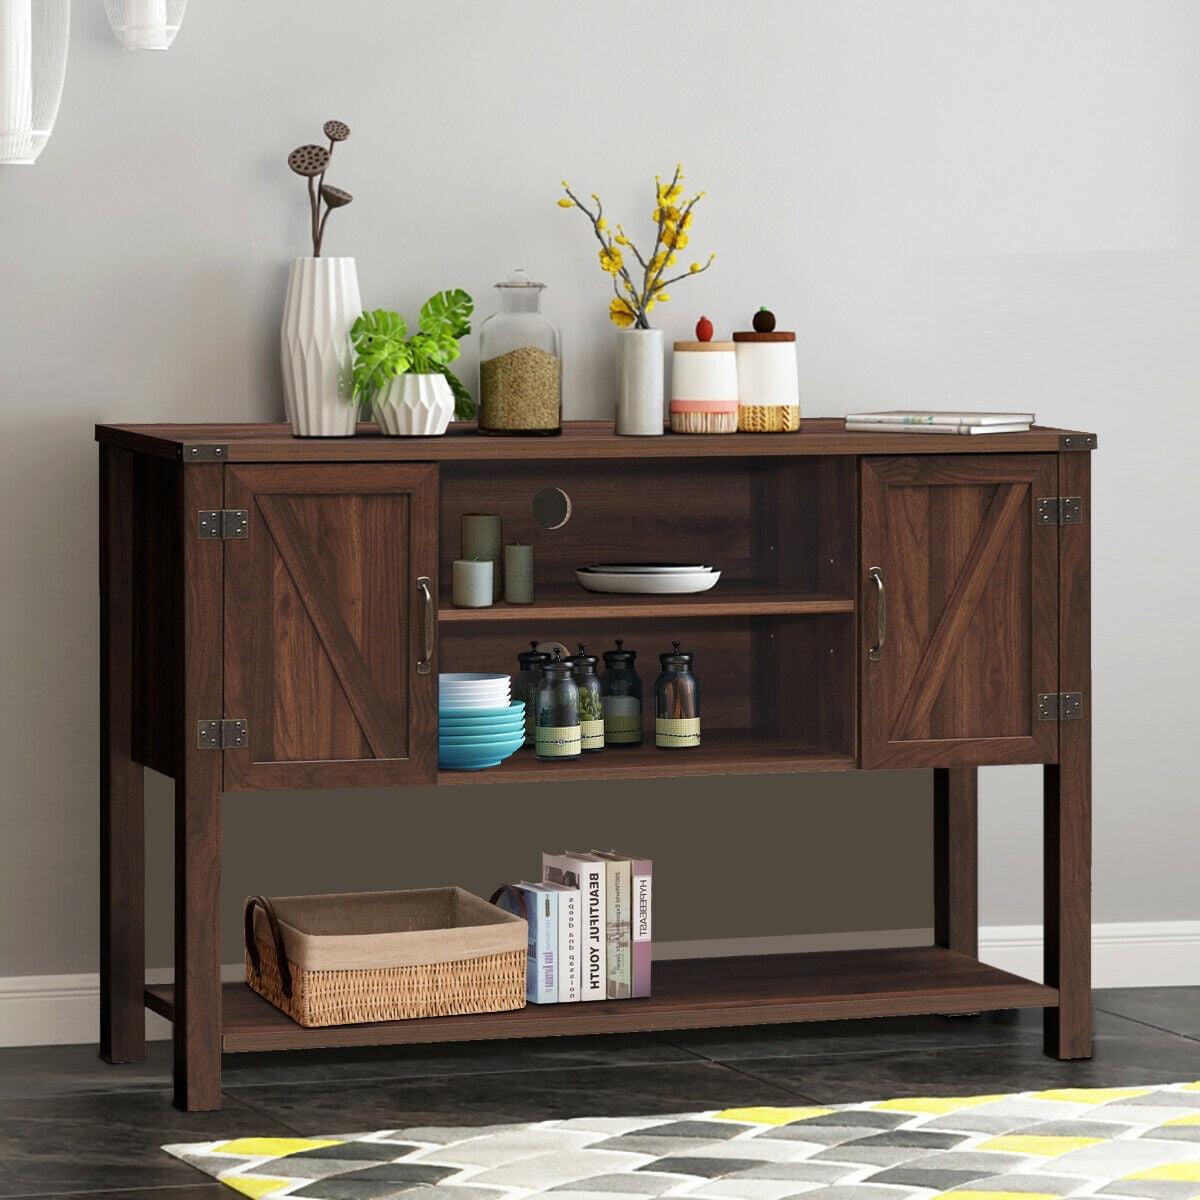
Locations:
(311, 162)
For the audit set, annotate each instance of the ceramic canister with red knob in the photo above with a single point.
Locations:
(704, 387)
(768, 379)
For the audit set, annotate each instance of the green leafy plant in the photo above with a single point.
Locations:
(384, 349)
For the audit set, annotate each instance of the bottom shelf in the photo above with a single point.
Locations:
(693, 993)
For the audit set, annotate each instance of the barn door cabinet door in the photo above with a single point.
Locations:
(959, 620)
(328, 632)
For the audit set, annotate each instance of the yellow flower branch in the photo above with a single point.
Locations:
(671, 236)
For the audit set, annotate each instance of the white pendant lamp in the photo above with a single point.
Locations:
(33, 61)
(145, 24)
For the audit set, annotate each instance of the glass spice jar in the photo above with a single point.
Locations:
(591, 706)
(676, 702)
(520, 364)
(526, 683)
(622, 698)
(557, 734)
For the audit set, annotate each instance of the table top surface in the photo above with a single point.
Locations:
(579, 439)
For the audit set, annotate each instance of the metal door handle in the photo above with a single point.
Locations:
(876, 651)
(426, 663)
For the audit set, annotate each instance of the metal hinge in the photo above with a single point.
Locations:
(223, 735)
(1077, 441)
(1060, 706)
(212, 452)
(216, 524)
(1060, 510)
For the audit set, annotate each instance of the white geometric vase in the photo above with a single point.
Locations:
(414, 406)
(315, 353)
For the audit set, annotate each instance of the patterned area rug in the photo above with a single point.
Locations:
(1140, 1143)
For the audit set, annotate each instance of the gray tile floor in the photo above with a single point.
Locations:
(72, 1126)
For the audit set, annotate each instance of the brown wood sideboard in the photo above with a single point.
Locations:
(275, 611)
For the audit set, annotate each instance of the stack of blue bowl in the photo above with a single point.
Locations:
(478, 725)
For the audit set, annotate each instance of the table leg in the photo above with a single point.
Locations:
(1067, 886)
(122, 825)
(198, 806)
(956, 859)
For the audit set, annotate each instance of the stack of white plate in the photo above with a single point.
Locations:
(468, 690)
(648, 578)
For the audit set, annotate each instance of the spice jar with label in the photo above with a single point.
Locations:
(526, 683)
(591, 710)
(622, 698)
(676, 702)
(520, 364)
(556, 734)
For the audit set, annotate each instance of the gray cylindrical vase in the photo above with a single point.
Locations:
(640, 409)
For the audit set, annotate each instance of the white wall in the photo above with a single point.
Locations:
(960, 202)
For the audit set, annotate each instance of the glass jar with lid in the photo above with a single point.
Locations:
(676, 702)
(520, 364)
(556, 734)
(622, 698)
(526, 683)
(591, 707)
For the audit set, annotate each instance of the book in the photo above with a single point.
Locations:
(641, 872)
(589, 875)
(569, 974)
(541, 907)
(882, 427)
(618, 929)
(929, 416)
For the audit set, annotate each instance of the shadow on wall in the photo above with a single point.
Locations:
(735, 856)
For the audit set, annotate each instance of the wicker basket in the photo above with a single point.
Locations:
(384, 956)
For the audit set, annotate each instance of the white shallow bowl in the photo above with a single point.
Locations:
(660, 585)
(647, 569)
(471, 677)
(474, 689)
(491, 703)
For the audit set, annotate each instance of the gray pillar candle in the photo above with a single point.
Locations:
(472, 583)
(518, 573)
(481, 537)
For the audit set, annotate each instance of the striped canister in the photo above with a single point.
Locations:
(704, 385)
(768, 381)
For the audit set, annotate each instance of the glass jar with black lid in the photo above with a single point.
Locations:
(591, 708)
(526, 683)
(621, 694)
(676, 702)
(556, 733)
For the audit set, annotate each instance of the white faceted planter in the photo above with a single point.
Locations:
(415, 406)
(33, 63)
(315, 353)
(145, 24)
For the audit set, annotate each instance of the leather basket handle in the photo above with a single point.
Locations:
(515, 893)
(281, 961)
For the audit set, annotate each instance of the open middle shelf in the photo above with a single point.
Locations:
(569, 602)
(696, 993)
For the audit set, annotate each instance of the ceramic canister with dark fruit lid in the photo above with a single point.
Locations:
(768, 379)
(704, 384)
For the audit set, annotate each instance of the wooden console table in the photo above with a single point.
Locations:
(274, 613)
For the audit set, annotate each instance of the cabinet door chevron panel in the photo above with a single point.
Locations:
(960, 619)
(323, 625)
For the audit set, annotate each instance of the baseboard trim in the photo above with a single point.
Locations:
(54, 1010)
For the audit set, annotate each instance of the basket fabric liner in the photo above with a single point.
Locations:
(374, 930)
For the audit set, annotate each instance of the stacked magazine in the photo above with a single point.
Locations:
(930, 421)
(589, 926)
